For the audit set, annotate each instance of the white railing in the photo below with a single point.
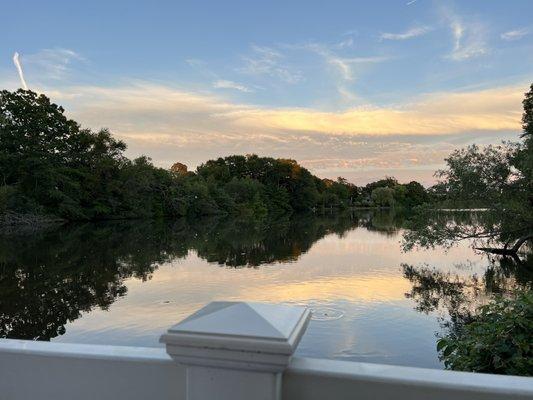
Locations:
(229, 351)
(314, 379)
(61, 371)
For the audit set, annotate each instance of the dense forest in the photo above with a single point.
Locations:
(52, 168)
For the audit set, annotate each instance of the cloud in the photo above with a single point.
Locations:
(18, 65)
(345, 43)
(225, 84)
(514, 34)
(51, 63)
(494, 109)
(267, 61)
(170, 124)
(156, 108)
(409, 34)
(343, 70)
(194, 62)
(344, 66)
(468, 39)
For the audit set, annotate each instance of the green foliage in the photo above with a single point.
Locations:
(415, 195)
(523, 158)
(52, 165)
(478, 176)
(527, 117)
(389, 192)
(499, 339)
(383, 196)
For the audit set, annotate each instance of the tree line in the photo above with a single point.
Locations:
(51, 166)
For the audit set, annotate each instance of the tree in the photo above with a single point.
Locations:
(179, 168)
(383, 196)
(523, 158)
(498, 178)
(389, 182)
(415, 195)
(53, 165)
(477, 176)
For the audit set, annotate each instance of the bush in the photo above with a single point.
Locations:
(498, 340)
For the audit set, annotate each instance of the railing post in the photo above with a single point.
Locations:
(236, 350)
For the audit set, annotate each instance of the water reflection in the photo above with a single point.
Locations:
(456, 296)
(50, 278)
(70, 284)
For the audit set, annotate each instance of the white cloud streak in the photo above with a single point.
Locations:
(345, 43)
(469, 40)
(226, 84)
(514, 34)
(18, 65)
(345, 66)
(409, 34)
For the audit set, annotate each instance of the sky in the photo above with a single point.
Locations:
(359, 89)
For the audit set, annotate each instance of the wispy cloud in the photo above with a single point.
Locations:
(268, 61)
(52, 63)
(225, 84)
(346, 43)
(345, 66)
(468, 40)
(409, 34)
(195, 62)
(514, 34)
(18, 65)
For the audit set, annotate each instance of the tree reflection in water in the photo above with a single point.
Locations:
(455, 297)
(48, 279)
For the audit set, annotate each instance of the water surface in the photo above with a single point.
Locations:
(125, 283)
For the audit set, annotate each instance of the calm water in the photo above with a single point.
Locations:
(124, 283)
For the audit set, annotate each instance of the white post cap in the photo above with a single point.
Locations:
(238, 335)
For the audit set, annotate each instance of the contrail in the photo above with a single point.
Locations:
(19, 69)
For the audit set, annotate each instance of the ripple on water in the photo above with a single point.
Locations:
(326, 314)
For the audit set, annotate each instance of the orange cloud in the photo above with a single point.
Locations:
(442, 113)
(165, 110)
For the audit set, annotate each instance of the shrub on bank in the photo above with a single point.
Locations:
(498, 340)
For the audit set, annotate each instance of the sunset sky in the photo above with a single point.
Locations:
(360, 89)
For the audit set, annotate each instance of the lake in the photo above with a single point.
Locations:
(125, 283)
